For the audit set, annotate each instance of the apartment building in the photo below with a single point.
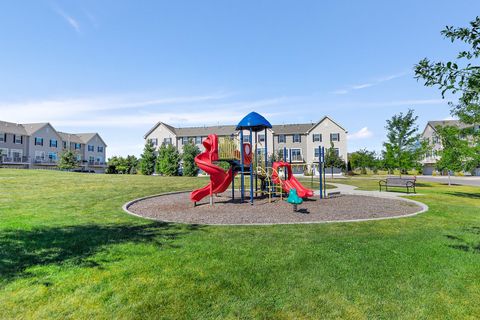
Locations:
(301, 141)
(39, 146)
(430, 135)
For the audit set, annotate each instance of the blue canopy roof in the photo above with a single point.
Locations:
(254, 121)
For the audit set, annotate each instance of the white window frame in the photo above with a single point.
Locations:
(4, 153)
(39, 155)
(334, 135)
(319, 135)
(294, 159)
(260, 137)
(284, 138)
(19, 141)
(299, 138)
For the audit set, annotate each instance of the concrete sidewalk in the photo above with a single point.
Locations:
(348, 189)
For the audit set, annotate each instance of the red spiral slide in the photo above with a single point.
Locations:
(219, 178)
(291, 182)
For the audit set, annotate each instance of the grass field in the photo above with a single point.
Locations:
(67, 250)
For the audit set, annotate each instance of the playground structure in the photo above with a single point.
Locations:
(249, 159)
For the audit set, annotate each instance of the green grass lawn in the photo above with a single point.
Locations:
(67, 250)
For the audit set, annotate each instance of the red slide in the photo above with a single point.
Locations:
(291, 182)
(219, 178)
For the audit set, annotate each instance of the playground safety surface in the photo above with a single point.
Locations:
(177, 207)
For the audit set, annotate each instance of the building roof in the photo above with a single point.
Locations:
(453, 123)
(226, 130)
(292, 128)
(86, 137)
(34, 127)
(253, 121)
(205, 131)
(13, 128)
(70, 137)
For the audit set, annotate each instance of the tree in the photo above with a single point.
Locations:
(168, 160)
(148, 159)
(459, 76)
(454, 152)
(332, 159)
(68, 160)
(363, 159)
(403, 148)
(122, 165)
(190, 151)
(132, 164)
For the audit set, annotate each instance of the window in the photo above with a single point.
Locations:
(296, 154)
(17, 139)
(3, 152)
(198, 140)
(38, 141)
(91, 148)
(3, 137)
(317, 137)
(261, 138)
(297, 138)
(64, 144)
(99, 160)
(316, 152)
(39, 155)
(154, 141)
(281, 138)
(53, 143)
(336, 151)
(435, 139)
(79, 157)
(52, 156)
(167, 141)
(184, 140)
(334, 136)
(78, 146)
(246, 138)
(91, 160)
(100, 149)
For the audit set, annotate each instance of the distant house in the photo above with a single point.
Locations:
(300, 140)
(430, 135)
(39, 146)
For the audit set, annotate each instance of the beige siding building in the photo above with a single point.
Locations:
(39, 146)
(433, 155)
(301, 141)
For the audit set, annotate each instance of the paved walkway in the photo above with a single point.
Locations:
(348, 189)
(466, 181)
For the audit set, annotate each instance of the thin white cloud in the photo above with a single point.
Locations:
(375, 82)
(363, 133)
(128, 111)
(69, 19)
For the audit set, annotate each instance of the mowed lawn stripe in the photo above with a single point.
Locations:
(67, 250)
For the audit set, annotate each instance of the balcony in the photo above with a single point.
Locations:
(46, 162)
(96, 164)
(13, 160)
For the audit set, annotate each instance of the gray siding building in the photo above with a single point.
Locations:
(300, 140)
(39, 146)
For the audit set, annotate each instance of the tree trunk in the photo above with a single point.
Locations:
(449, 182)
(332, 171)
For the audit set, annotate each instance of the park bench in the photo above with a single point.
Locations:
(408, 183)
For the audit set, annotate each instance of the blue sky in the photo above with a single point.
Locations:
(118, 67)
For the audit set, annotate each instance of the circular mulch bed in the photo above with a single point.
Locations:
(177, 207)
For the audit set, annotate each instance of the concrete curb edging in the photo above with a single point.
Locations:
(351, 190)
